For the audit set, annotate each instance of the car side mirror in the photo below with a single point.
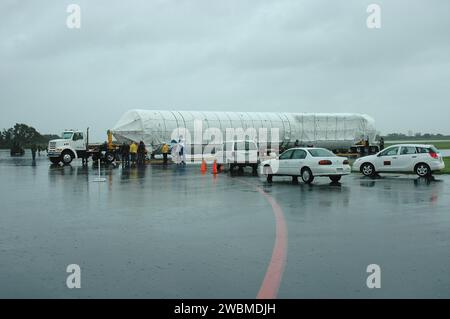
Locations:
(273, 155)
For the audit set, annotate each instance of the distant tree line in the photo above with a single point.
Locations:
(416, 136)
(24, 136)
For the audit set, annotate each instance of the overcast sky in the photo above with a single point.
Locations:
(233, 55)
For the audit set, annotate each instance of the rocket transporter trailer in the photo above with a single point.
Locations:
(334, 131)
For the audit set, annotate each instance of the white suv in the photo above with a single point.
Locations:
(405, 158)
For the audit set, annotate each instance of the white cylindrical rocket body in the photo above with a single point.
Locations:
(329, 130)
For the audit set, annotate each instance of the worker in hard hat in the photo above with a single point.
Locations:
(133, 152)
(165, 151)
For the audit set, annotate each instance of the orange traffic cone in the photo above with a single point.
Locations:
(214, 168)
(203, 167)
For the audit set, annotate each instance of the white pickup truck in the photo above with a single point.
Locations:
(239, 153)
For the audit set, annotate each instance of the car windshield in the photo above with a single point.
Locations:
(240, 146)
(321, 152)
(286, 155)
(228, 146)
(249, 146)
(67, 135)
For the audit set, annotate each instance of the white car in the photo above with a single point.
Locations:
(406, 158)
(308, 163)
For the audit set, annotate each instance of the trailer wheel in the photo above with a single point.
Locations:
(109, 157)
(55, 160)
(67, 157)
(231, 169)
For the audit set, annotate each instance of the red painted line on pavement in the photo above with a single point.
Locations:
(274, 273)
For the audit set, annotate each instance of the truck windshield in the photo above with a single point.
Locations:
(244, 146)
(67, 135)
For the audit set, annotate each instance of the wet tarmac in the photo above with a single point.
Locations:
(172, 232)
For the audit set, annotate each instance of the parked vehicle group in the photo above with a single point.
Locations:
(309, 163)
(304, 162)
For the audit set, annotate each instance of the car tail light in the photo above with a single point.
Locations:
(345, 162)
(325, 162)
(434, 155)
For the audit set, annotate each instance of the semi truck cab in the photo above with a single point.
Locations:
(73, 144)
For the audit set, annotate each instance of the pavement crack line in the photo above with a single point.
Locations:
(272, 279)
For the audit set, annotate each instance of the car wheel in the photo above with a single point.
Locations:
(267, 170)
(335, 178)
(307, 175)
(367, 169)
(67, 157)
(423, 170)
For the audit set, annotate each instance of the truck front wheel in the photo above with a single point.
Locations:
(67, 157)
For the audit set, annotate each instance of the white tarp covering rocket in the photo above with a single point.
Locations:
(330, 130)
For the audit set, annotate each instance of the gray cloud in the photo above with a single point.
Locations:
(287, 55)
